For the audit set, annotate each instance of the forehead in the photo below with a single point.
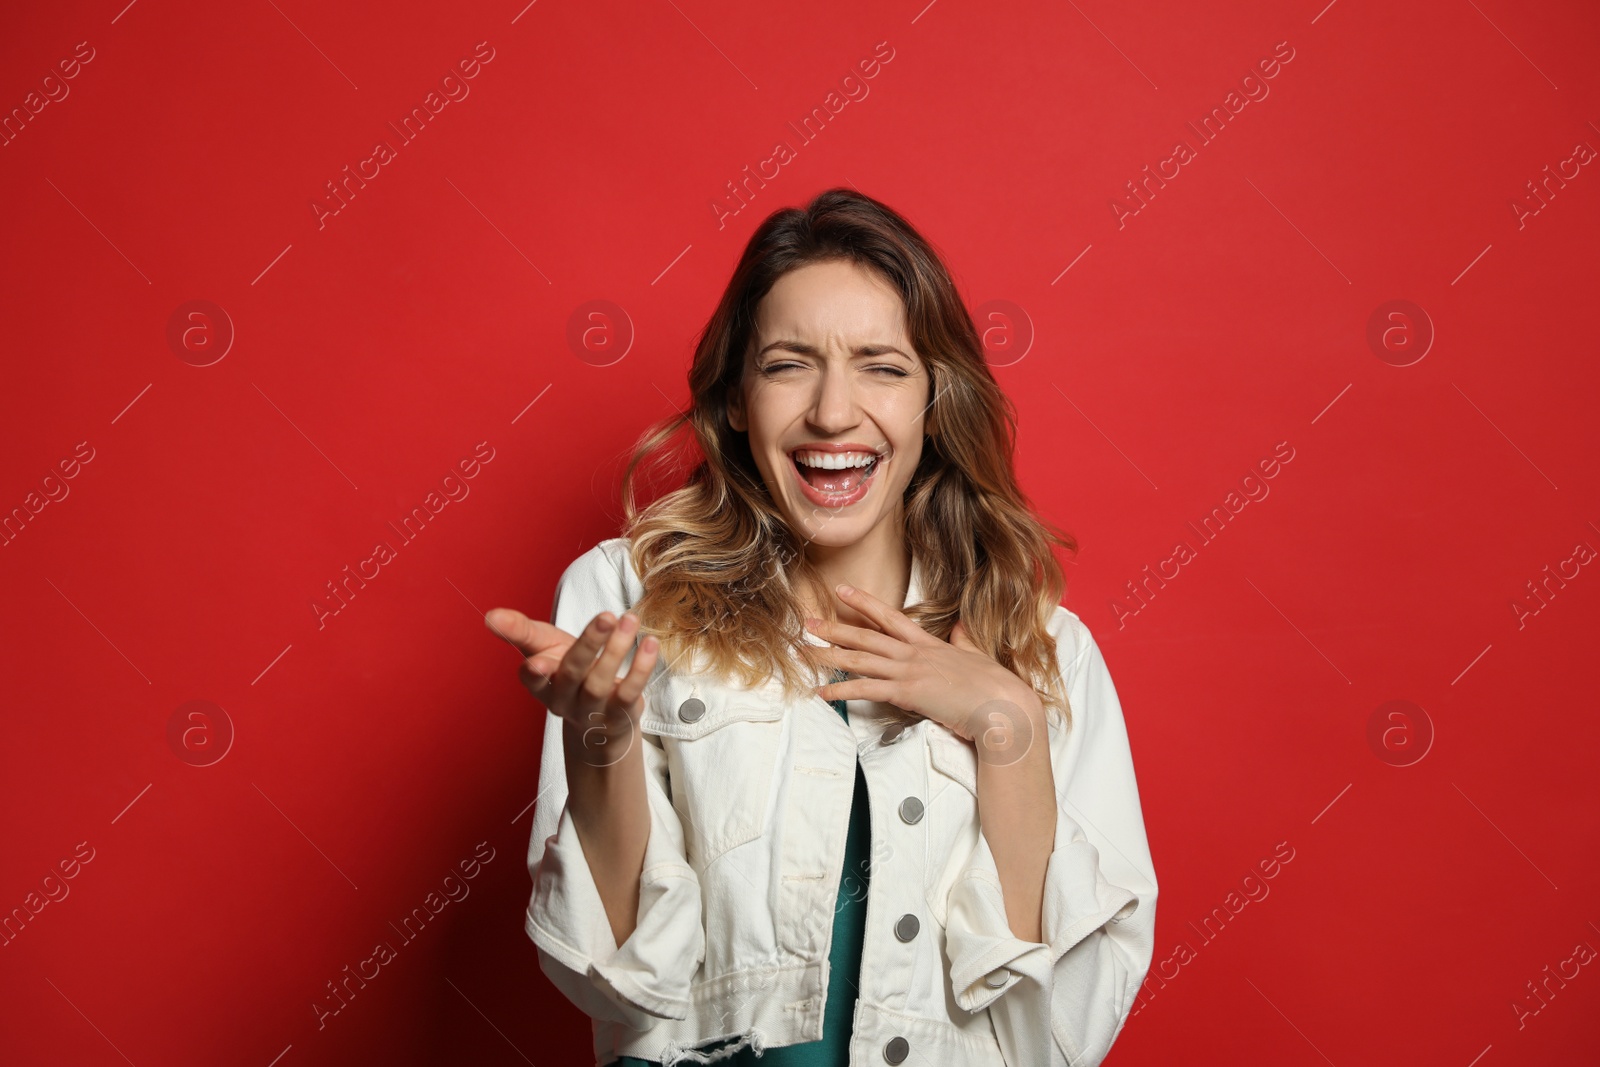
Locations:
(836, 300)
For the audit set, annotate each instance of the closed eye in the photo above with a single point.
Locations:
(773, 368)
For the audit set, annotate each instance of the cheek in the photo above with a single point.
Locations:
(768, 414)
(778, 477)
(907, 457)
(908, 467)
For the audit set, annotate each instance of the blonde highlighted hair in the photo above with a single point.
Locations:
(720, 565)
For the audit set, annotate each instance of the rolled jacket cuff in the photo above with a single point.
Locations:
(986, 958)
(648, 976)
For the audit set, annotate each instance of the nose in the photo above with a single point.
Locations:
(834, 408)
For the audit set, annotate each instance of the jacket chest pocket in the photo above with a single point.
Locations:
(722, 749)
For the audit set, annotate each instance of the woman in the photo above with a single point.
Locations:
(727, 868)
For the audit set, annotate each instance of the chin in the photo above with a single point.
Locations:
(834, 534)
(832, 531)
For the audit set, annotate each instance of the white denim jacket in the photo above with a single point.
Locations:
(749, 801)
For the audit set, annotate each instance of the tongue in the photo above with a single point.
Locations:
(833, 481)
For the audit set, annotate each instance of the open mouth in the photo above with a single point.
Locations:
(835, 485)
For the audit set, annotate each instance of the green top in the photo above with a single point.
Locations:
(844, 956)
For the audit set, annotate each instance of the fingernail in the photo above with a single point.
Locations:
(605, 624)
(845, 590)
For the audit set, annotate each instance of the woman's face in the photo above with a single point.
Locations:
(832, 365)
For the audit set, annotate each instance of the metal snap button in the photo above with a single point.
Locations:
(997, 979)
(911, 810)
(897, 1050)
(907, 926)
(691, 710)
(892, 733)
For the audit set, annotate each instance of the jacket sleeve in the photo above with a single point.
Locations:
(647, 977)
(1064, 1000)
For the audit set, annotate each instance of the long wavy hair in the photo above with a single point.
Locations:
(720, 565)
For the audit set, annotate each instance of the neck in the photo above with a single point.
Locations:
(879, 563)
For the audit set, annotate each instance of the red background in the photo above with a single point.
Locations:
(373, 749)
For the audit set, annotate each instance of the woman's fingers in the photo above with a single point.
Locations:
(601, 681)
(608, 724)
(885, 618)
(580, 657)
(577, 677)
(538, 671)
(859, 637)
(528, 636)
(644, 661)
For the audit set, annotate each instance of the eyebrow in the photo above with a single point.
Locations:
(801, 348)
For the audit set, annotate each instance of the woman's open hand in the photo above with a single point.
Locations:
(576, 677)
(951, 682)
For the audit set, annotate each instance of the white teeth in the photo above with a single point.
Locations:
(835, 460)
